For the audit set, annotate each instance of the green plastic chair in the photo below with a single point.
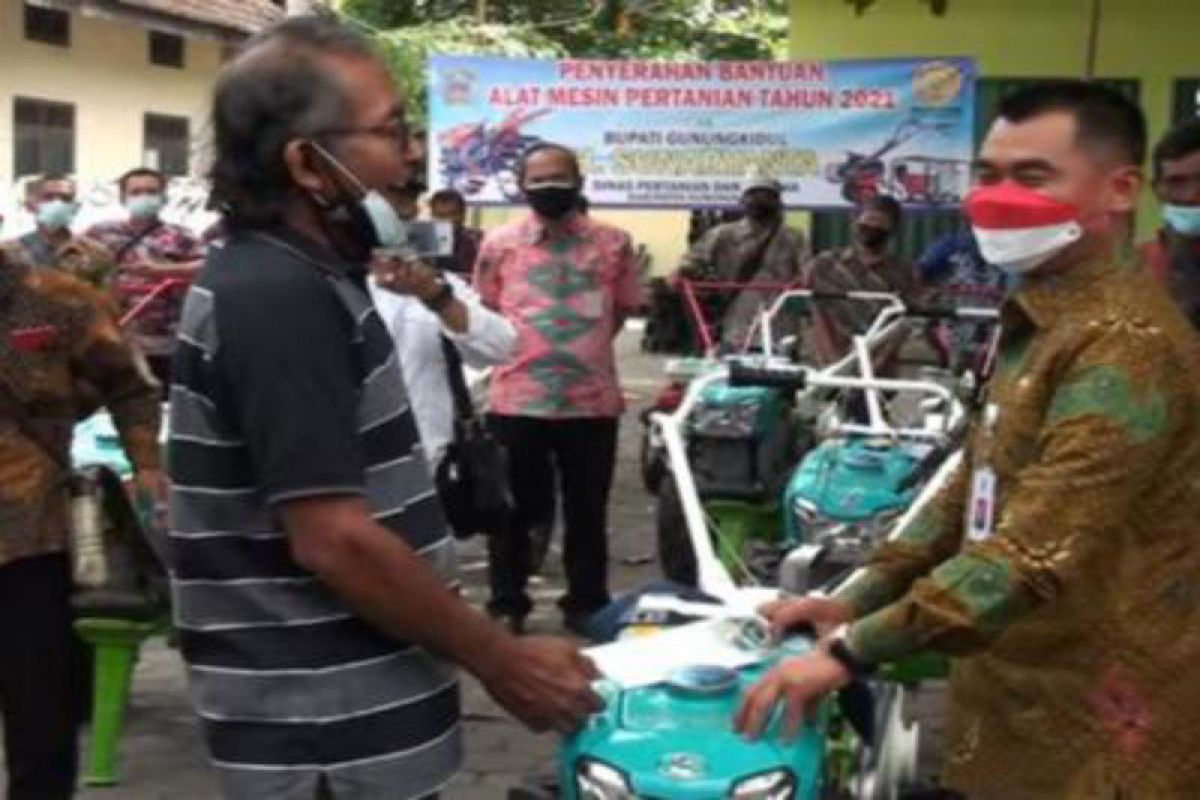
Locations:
(117, 645)
(116, 641)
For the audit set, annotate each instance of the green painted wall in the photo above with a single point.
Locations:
(1154, 41)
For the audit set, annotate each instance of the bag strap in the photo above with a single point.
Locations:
(124, 249)
(19, 413)
(748, 268)
(464, 409)
(288, 247)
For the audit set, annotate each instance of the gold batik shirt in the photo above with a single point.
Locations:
(1074, 616)
(80, 256)
(62, 356)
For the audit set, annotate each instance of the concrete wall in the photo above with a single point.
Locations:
(106, 73)
(1150, 40)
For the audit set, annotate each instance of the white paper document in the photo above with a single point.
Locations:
(646, 660)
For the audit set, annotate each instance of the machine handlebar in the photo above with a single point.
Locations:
(775, 377)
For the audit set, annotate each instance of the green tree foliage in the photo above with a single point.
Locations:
(409, 31)
(407, 49)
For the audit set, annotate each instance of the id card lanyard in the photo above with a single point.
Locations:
(981, 510)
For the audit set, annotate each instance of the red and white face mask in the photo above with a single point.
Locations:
(1018, 229)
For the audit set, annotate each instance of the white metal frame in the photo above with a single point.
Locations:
(712, 575)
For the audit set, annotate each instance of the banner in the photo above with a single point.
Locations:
(659, 134)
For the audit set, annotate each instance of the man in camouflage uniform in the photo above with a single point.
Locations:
(61, 357)
(759, 248)
(1060, 564)
(865, 265)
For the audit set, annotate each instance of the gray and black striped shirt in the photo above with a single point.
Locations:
(286, 386)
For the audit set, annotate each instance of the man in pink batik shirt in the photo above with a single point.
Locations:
(567, 282)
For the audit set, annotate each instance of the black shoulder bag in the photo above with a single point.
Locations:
(472, 477)
(116, 570)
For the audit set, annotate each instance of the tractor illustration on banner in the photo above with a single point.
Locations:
(910, 179)
(475, 153)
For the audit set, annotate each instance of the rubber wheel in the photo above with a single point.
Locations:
(676, 559)
(653, 468)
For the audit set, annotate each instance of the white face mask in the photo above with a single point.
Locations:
(1184, 220)
(144, 206)
(389, 229)
(56, 215)
(1018, 229)
(1020, 251)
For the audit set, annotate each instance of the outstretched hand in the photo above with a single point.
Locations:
(799, 683)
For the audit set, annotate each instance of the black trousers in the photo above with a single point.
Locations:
(581, 454)
(160, 368)
(42, 680)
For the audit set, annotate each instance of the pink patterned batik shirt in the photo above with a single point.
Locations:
(566, 288)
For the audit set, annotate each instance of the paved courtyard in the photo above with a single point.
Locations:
(162, 756)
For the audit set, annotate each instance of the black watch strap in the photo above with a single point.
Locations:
(840, 652)
(437, 304)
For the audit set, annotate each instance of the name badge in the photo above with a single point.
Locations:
(591, 304)
(33, 340)
(982, 511)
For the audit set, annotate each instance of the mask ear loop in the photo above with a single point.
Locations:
(340, 167)
(335, 213)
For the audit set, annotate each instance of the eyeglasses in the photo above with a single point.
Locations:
(395, 129)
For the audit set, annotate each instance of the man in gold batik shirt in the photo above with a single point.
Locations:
(62, 356)
(1060, 564)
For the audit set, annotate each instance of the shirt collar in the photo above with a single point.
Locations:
(849, 255)
(755, 226)
(39, 249)
(537, 230)
(309, 248)
(1042, 299)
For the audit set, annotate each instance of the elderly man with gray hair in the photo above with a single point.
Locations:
(314, 579)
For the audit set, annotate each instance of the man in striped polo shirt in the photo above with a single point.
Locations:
(313, 577)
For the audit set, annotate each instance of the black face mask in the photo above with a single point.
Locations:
(553, 202)
(873, 237)
(343, 216)
(349, 228)
(761, 210)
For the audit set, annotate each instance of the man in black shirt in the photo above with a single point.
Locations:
(314, 578)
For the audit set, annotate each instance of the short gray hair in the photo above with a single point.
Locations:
(276, 90)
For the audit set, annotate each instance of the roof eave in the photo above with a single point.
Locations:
(118, 11)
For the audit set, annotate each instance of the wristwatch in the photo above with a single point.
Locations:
(840, 652)
(437, 304)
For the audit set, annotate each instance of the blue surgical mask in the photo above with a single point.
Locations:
(144, 206)
(387, 230)
(1184, 220)
(390, 230)
(56, 215)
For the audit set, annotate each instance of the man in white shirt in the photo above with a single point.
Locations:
(419, 305)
